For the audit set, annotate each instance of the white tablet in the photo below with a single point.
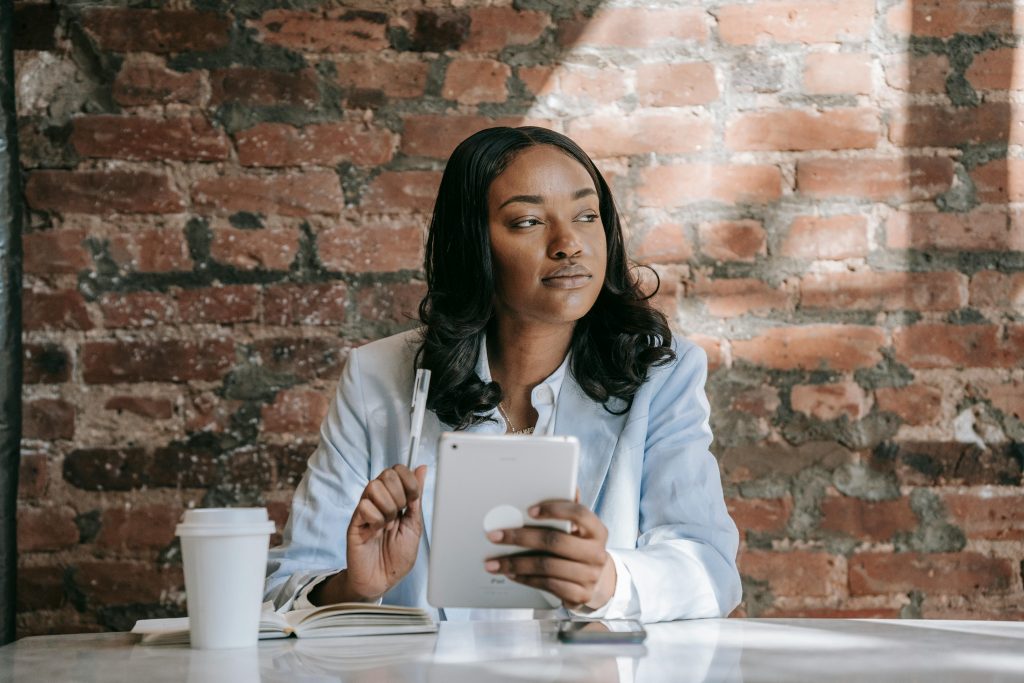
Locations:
(486, 483)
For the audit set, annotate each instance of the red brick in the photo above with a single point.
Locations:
(494, 28)
(145, 139)
(634, 27)
(64, 310)
(151, 250)
(941, 19)
(830, 613)
(392, 303)
(145, 81)
(323, 144)
(143, 406)
(45, 529)
(670, 186)
(978, 231)
(916, 404)
(726, 298)
(135, 527)
(222, 304)
(398, 191)
(33, 475)
(743, 240)
(137, 309)
(295, 411)
(797, 572)
(332, 31)
(761, 401)
(881, 180)
(249, 85)
(940, 126)
(435, 136)
(843, 73)
(105, 469)
(831, 401)
(48, 419)
(761, 515)
(476, 81)
(40, 588)
(869, 290)
(1007, 396)
(55, 252)
(996, 290)
(306, 358)
(867, 520)
(664, 243)
(113, 362)
(313, 192)
(392, 79)
(46, 364)
(590, 84)
(938, 345)
(979, 515)
(268, 249)
(645, 132)
(676, 85)
(126, 582)
(538, 80)
(965, 573)
(917, 73)
(160, 31)
(101, 192)
(835, 347)
(995, 70)
(208, 413)
(798, 130)
(714, 348)
(999, 181)
(826, 237)
(796, 22)
(305, 304)
(372, 246)
(951, 463)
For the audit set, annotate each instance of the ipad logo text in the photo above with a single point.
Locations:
(497, 579)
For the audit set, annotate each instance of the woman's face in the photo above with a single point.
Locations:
(547, 239)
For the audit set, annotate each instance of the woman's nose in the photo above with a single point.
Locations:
(565, 243)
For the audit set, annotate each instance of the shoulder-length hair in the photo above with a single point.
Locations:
(612, 346)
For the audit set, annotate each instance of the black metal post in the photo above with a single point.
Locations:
(10, 325)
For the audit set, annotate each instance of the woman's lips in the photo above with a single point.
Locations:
(567, 281)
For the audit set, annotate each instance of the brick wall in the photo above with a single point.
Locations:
(226, 197)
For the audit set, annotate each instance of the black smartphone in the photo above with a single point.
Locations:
(601, 631)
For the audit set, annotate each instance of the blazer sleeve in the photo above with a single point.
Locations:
(314, 539)
(684, 564)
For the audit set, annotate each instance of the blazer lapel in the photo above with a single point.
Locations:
(598, 432)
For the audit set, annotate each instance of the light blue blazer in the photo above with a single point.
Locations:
(648, 474)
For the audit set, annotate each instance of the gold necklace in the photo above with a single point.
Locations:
(508, 422)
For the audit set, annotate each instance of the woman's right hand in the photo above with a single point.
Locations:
(383, 541)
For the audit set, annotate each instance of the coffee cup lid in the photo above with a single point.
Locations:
(224, 521)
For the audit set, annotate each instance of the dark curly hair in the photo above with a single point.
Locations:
(613, 345)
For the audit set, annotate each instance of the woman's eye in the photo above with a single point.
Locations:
(526, 223)
(588, 218)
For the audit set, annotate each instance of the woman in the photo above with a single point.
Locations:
(533, 321)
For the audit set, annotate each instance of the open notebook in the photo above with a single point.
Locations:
(342, 619)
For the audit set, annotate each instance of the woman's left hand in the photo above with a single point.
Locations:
(573, 566)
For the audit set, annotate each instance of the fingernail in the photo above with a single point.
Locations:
(492, 565)
(534, 511)
(495, 535)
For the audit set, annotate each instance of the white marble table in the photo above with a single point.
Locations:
(776, 650)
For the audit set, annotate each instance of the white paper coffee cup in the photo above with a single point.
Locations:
(224, 551)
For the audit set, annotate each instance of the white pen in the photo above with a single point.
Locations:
(418, 408)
